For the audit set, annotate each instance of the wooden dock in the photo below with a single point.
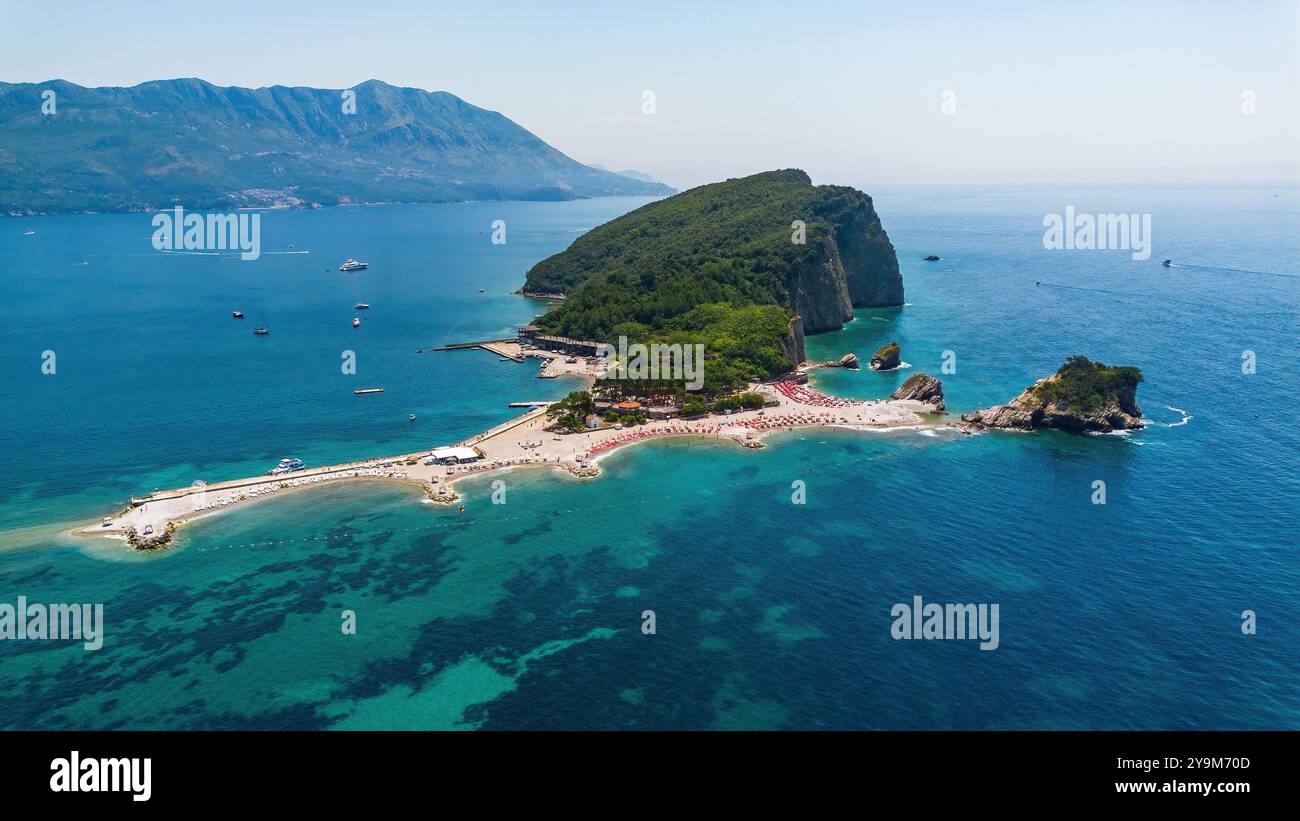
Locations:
(505, 348)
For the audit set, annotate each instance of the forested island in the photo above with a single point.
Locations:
(745, 267)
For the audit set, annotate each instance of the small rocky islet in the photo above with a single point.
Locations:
(886, 358)
(1082, 396)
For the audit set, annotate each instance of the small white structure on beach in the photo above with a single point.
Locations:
(455, 456)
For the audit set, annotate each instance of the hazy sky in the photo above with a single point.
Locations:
(851, 92)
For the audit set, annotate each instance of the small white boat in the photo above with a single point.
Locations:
(352, 265)
(362, 306)
(259, 331)
(356, 322)
(237, 314)
(286, 466)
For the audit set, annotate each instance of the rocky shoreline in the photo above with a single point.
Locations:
(541, 295)
(154, 541)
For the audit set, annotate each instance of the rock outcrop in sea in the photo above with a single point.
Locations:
(922, 388)
(154, 541)
(887, 358)
(1081, 396)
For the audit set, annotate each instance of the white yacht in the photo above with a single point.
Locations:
(352, 265)
(286, 466)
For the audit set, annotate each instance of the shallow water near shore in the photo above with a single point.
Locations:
(529, 614)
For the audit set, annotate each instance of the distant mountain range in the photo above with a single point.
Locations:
(191, 143)
(631, 172)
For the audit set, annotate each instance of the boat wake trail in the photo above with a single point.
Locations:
(1145, 297)
(1220, 270)
(1180, 422)
(1089, 290)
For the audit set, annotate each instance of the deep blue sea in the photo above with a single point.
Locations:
(768, 614)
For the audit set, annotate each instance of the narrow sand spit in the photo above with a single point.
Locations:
(518, 442)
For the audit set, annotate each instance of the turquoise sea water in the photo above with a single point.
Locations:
(768, 614)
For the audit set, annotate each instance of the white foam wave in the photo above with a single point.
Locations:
(924, 430)
(1186, 418)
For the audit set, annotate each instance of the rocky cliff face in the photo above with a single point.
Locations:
(867, 255)
(793, 345)
(819, 291)
(1082, 396)
(922, 388)
(856, 267)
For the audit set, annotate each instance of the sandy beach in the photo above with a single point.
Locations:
(522, 441)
